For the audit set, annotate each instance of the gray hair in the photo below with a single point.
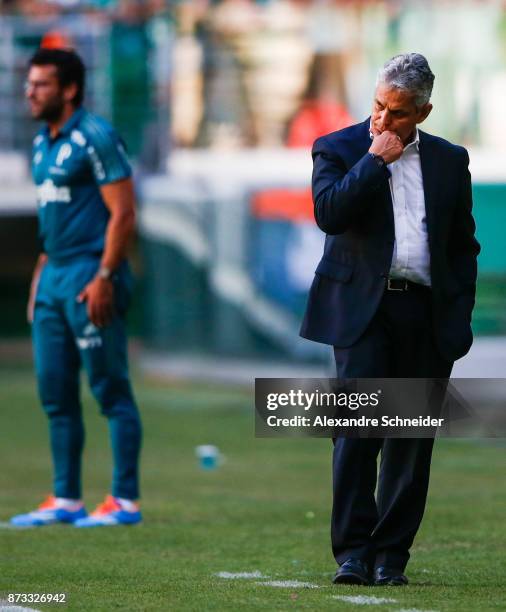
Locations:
(409, 72)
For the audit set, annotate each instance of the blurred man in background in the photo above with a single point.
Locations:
(80, 289)
(394, 294)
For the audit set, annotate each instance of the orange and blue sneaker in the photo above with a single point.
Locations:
(51, 510)
(112, 511)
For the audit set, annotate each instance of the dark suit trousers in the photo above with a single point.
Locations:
(398, 343)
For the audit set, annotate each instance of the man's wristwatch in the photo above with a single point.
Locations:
(378, 159)
(104, 273)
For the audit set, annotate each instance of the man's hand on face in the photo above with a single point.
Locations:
(386, 144)
(99, 295)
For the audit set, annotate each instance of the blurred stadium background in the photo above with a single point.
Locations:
(219, 103)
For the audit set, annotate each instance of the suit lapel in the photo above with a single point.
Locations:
(430, 174)
(365, 143)
(428, 162)
(365, 136)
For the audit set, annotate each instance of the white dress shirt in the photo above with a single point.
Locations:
(411, 256)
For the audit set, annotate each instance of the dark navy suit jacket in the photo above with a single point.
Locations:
(353, 206)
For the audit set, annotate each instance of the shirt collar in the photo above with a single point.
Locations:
(70, 124)
(416, 140)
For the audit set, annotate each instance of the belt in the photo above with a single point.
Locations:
(403, 284)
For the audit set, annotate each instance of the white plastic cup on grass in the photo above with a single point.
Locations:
(208, 456)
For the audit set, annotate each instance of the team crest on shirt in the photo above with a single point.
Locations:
(64, 153)
(78, 137)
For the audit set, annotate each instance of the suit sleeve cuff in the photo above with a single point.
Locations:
(371, 172)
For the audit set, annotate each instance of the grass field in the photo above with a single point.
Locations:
(253, 514)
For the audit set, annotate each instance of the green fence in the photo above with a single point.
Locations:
(490, 215)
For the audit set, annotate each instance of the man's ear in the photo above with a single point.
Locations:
(424, 112)
(69, 92)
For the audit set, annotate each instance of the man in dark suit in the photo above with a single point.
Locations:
(393, 294)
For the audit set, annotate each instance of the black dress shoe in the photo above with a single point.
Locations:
(389, 576)
(352, 571)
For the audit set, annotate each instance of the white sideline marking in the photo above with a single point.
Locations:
(366, 600)
(289, 584)
(415, 610)
(5, 606)
(237, 575)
